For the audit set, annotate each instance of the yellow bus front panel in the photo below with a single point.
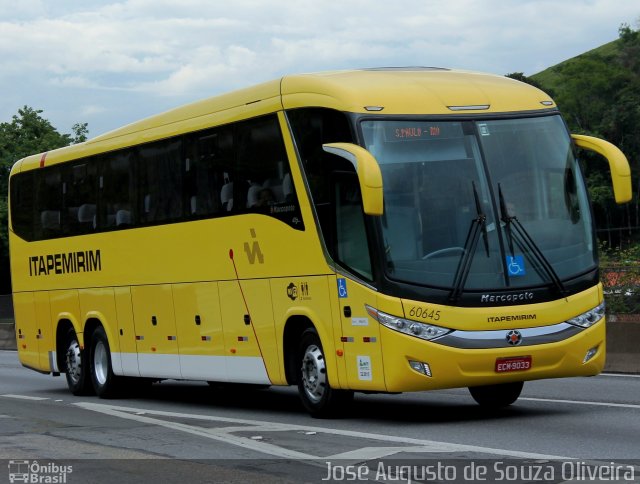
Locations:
(457, 367)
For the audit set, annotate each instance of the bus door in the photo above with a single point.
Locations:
(360, 333)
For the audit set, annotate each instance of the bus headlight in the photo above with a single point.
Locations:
(412, 328)
(588, 319)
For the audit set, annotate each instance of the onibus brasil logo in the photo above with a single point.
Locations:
(34, 472)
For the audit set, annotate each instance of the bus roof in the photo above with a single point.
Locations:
(385, 91)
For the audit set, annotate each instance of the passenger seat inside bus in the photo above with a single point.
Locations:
(252, 195)
(87, 215)
(123, 218)
(50, 219)
(226, 197)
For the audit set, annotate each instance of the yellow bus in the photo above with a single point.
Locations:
(375, 230)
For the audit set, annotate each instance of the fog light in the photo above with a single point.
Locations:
(420, 367)
(590, 354)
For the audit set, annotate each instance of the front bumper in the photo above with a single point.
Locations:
(453, 367)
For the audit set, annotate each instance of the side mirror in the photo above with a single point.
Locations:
(618, 164)
(368, 171)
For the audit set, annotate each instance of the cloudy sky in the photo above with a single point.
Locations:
(109, 63)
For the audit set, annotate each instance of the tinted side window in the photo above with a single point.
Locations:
(80, 197)
(233, 169)
(160, 181)
(117, 190)
(22, 204)
(209, 161)
(312, 127)
(48, 189)
(263, 179)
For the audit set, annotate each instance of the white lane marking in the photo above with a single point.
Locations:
(214, 434)
(580, 402)
(620, 375)
(23, 397)
(224, 435)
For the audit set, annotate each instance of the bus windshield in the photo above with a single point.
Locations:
(489, 204)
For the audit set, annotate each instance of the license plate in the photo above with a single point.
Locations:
(518, 363)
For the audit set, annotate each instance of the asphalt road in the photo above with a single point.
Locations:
(559, 431)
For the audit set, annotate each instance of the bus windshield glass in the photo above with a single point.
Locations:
(489, 204)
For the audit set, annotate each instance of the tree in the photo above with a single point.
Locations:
(28, 133)
(519, 76)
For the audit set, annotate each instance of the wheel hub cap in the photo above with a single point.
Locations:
(74, 362)
(314, 373)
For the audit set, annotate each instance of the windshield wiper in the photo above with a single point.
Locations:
(478, 226)
(527, 244)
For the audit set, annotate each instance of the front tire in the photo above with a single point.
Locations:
(76, 366)
(105, 383)
(317, 396)
(496, 396)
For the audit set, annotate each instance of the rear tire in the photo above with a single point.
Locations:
(496, 396)
(105, 383)
(317, 396)
(76, 367)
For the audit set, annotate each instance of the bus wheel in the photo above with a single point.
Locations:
(105, 382)
(316, 394)
(497, 396)
(76, 370)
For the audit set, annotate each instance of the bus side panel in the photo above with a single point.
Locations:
(126, 332)
(363, 347)
(45, 335)
(247, 305)
(156, 336)
(26, 332)
(308, 297)
(99, 303)
(64, 305)
(199, 327)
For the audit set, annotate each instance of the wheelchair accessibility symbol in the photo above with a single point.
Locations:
(515, 265)
(342, 288)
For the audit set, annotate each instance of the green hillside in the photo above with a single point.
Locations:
(552, 76)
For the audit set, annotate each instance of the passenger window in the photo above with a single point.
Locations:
(209, 157)
(333, 184)
(79, 190)
(49, 203)
(263, 181)
(160, 182)
(117, 192)
(22, 205)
